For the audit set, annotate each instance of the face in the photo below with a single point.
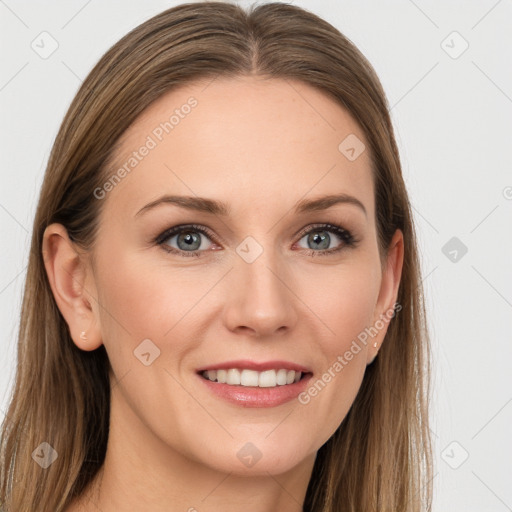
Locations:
(255, 280)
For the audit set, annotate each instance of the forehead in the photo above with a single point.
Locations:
(250, 142)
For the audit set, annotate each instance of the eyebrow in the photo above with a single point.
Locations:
(204, 205)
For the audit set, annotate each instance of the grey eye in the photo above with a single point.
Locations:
(318, 239)
(187, 240)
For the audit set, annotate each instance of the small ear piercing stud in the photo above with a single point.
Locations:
(83, 336)
(375, 344)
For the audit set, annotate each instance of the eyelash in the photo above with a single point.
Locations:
(346, 236)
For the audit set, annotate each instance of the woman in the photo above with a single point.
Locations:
(223, 304)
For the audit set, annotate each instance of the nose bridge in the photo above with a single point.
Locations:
(260, 298)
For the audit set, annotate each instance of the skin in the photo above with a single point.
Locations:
(260, 145)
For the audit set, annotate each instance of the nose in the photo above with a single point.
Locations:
(260, 300)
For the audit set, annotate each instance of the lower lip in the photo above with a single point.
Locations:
(247, 396)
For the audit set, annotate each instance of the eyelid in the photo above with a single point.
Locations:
(322, 225)
(176, 230)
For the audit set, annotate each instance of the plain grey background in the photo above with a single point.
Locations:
(446, 68)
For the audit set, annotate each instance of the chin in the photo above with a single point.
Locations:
(259, 456)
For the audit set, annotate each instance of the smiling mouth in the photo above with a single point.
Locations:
(252, 378)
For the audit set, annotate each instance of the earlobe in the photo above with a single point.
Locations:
(385, 307)
(66, 270)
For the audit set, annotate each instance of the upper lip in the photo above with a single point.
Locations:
(257, 366)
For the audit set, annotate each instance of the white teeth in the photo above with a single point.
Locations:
(281, 377)
(252, 378)
(233, 377)
(267, 379)
(249, 378)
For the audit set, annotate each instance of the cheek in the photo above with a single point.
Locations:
(137, 304)
(142, 297)
(143, 302)
(346, 303)
(346, 311)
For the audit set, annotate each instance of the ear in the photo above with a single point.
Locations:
(388, 294)
(67, 271)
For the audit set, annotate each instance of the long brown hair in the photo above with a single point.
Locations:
(380, 456)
